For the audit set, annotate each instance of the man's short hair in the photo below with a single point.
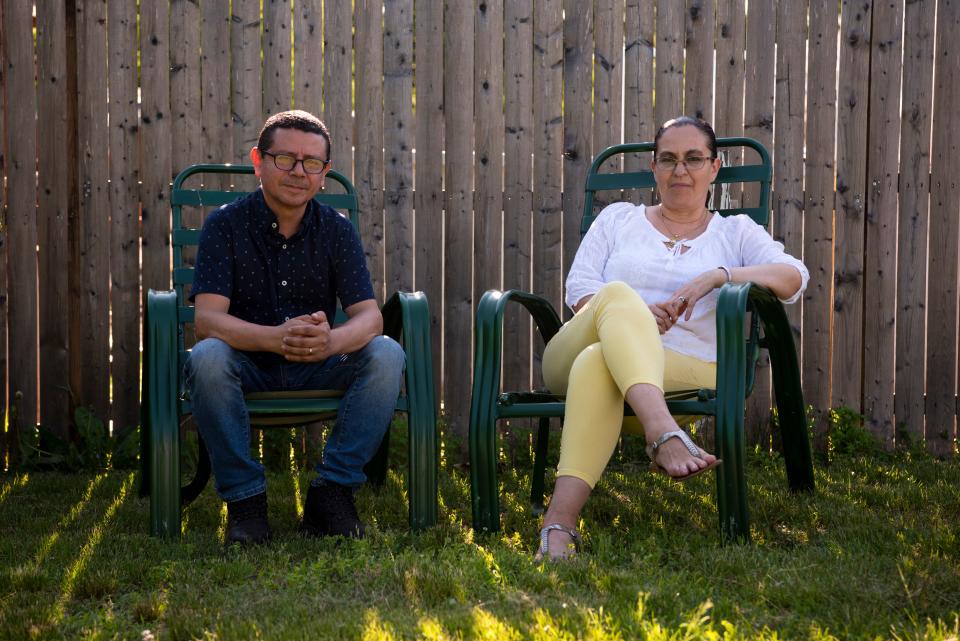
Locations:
(294, 119)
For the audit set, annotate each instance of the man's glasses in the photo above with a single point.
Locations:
(284, 162)
(668, 164)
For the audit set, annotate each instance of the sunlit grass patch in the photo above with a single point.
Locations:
(874, 553)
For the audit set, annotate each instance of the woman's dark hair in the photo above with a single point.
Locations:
(294, 119)
(701, 125)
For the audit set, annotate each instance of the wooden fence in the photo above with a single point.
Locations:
(505, 102)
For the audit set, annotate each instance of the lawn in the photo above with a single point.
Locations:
(874, 553)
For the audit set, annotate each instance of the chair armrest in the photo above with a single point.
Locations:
(406, 319)
(489, 334)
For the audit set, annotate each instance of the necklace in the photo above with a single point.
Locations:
(677, 238)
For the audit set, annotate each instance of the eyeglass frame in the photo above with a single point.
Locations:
(296, 160)
(676, 162)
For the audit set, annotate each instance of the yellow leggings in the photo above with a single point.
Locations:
(611, 344)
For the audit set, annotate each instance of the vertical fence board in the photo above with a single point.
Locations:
(700, 30)
(758, 124)
(94, 211)
(880, 283)
(518, 170)
(577, 119)
(731, 42)
(4, 434)
(185, 82)
(277, 88)
(308, 55)
(155, 141)
(337, 82)
(788, 138)
(368, 133)
(488, 168)
(124, 216)
(458, 90)
(943, 318)
(638, 121)
(913, 223)
(852, 102)
(215, 117)
(21, 219)
(246, 95)
(818, 215)
(547, 159)
(608, 79)
(53, 196)
(398, 144)
(669, 61)
(428, 168)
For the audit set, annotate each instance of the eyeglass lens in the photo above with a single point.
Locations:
(284, 162)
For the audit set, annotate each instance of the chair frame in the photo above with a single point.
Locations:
(166, 313)
(736, 365)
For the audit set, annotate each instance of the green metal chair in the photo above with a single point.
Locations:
(737, 355)
(167, 317)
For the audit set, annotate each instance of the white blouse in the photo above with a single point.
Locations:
(622, 245)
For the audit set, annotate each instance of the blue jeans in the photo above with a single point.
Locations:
(217, 377)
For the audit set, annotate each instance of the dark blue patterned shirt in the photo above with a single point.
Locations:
(269, 278)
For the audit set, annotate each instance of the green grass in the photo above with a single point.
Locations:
(874, 553)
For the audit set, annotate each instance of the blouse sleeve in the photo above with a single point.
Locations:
(586, 272)
(758, 248)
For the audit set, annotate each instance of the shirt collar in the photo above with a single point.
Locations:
(266, 221)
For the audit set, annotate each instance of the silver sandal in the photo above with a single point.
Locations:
(691, 447)
(543, 552)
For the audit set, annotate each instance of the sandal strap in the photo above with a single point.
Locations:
(545, 537)
(680, 434)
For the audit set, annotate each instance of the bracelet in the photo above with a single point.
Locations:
(726, 270)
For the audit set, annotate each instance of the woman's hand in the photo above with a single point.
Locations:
(686, 298)
(666, 315)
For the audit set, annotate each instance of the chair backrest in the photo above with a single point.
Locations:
(186, 235)
(760, 173)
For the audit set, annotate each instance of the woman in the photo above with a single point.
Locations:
(644, 286)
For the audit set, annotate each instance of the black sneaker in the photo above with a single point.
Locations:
(330, 511)
(247, 520)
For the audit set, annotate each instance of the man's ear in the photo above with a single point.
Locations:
(256, 159)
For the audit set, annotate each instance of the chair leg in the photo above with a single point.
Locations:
(424, 463)
(165, 474)
(539, 466)
(161, 382)
(192, 490)
(483, 468)
(731, 476)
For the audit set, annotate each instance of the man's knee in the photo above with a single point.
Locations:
(210, 359)
(385, 355)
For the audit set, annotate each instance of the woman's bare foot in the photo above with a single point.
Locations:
(561, 543)
(676, 460)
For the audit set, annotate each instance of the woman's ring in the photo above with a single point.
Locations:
(682, 299)
(309, 350)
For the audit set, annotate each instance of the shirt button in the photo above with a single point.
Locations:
(284, 246)
(286, 318)
(274, 225)
(283, 282)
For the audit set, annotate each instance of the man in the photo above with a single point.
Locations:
(269, 270)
